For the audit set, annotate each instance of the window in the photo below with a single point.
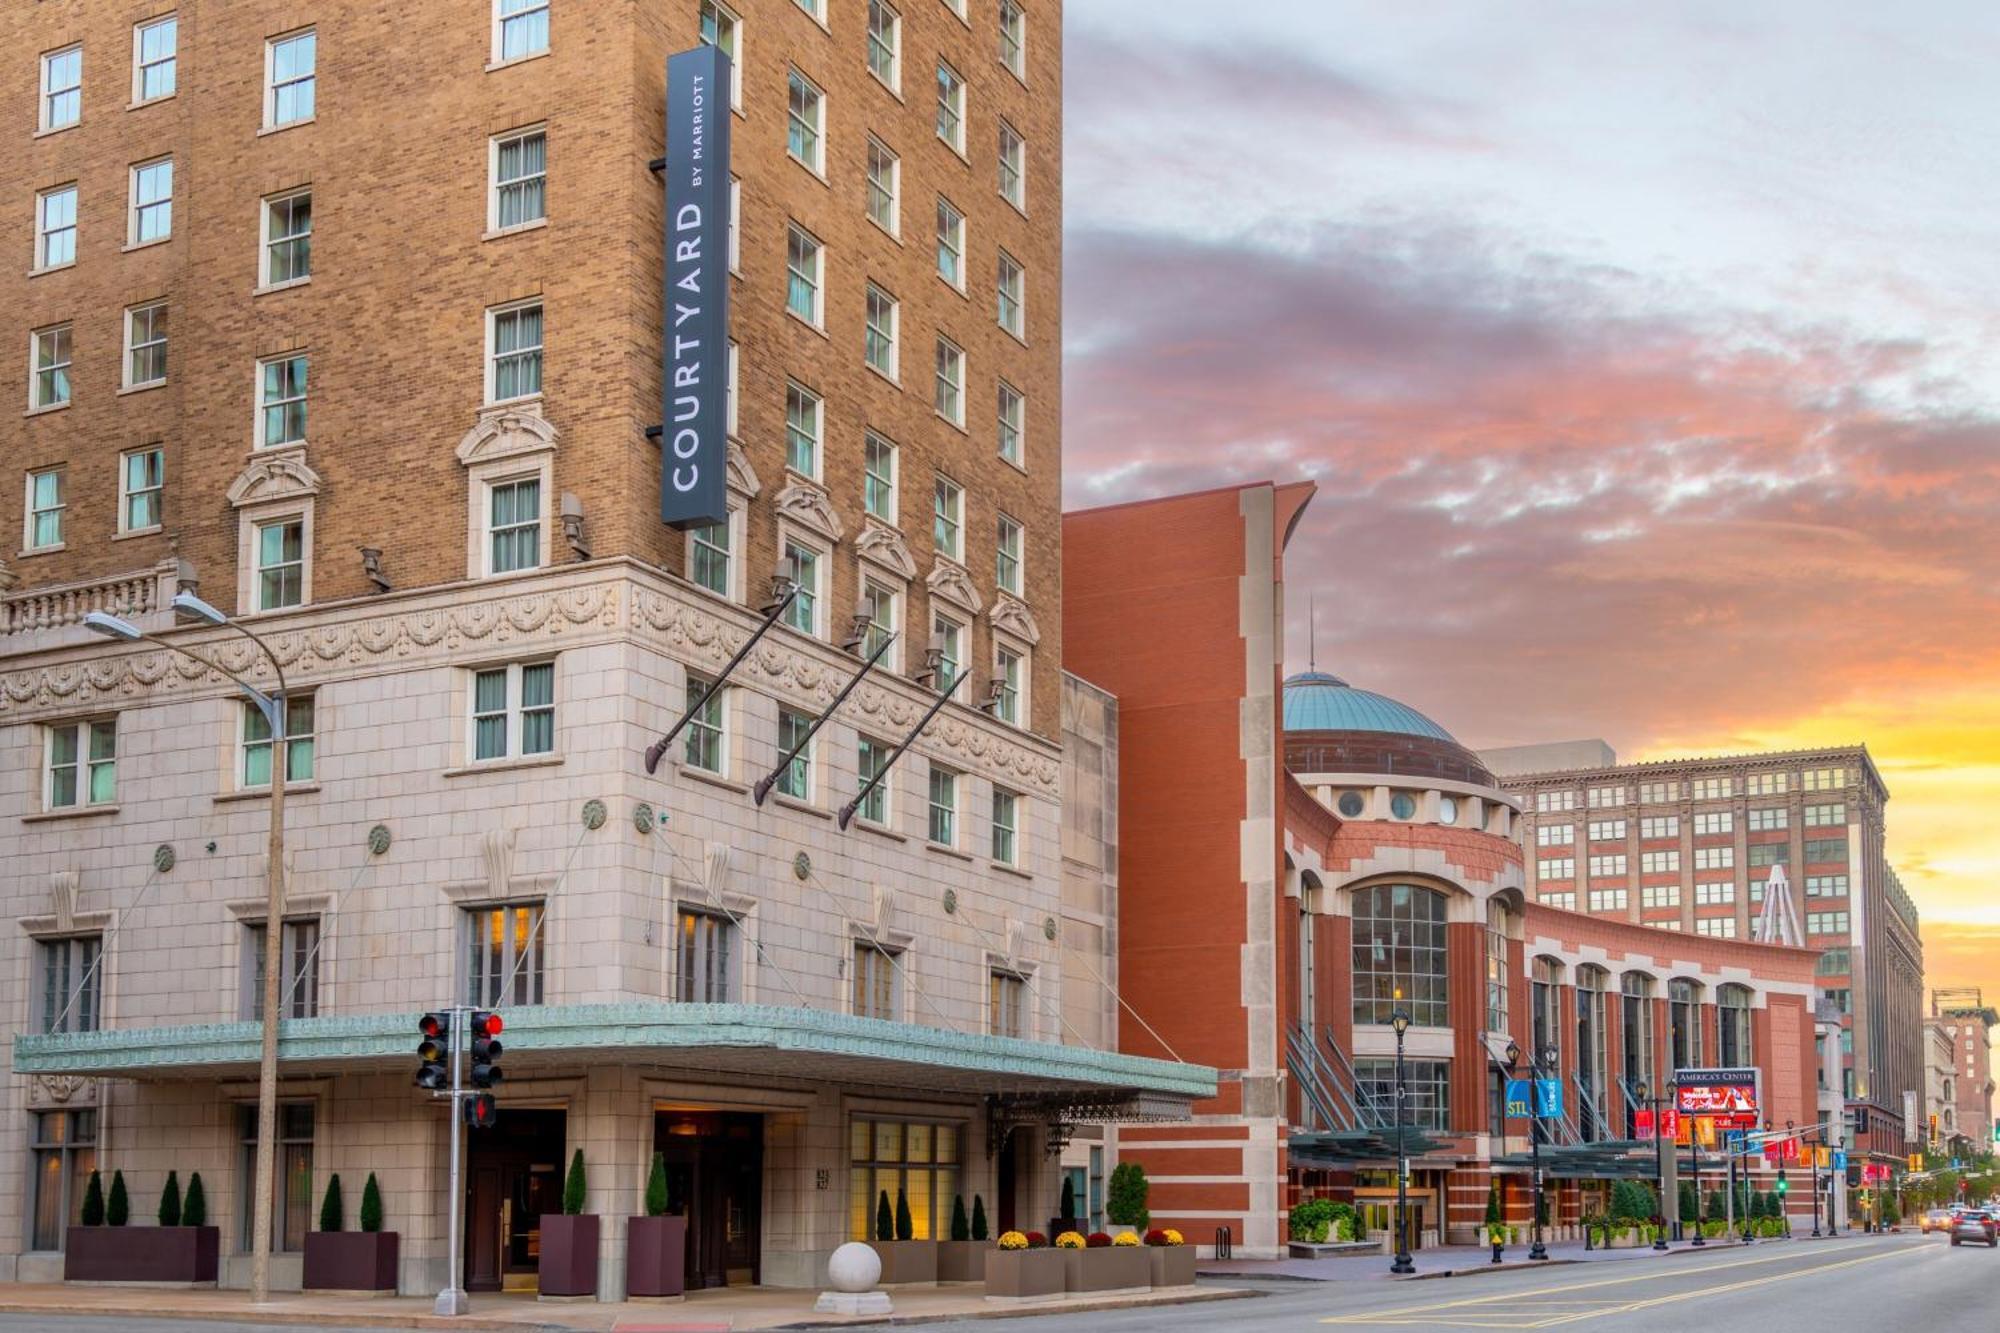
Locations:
(1607, 830)
(146, 345)
(1654, 863)
(1610, 900)
(1826, 923)
(1012, 285)
(802, 430)
(1712, 822)
(290, 66)
(1825, 779)
(1716, 927)
(1607, 865)
(950, 243)
(795, 779)
(1842, 999)
(72, 983)
(1636, 994)
(521, 28)
(951, 107)
(298, 970)
(1426, 1084)
(141, 477)
(1005, 828)
(1658, 793)
(520, 173)
(803, 613)
(1833, 963)
(1548, 802)
(1566, 900)
(1496, 967)
(514, 711)
(1684, 1024)
(504, 954)
(1733, 1019)
(948, 519)
(1545, 1000)
(878, 601)
(1014, 38)
(942, 827)
(1769, 854)
(282, 401)
(1660, 895)
(874, 991)
(45, 510)
(735, 225)
(1013, 420)
(871, 757)
(1660, 826)
(709, 548)
(1555, 867)
(917, 1162)
(1714, 858)
(1399, 950)
(1826, 849)
(82, 764)
(1555, 835)
(880, 343)
(885, 43)
(64, 1144)
(1713, 789)
(1825, 816)
(1715, 892)
(1011, 670)
(1770, 818)
(704, 946)
(513, 525)
(1764, 784)
(299, 747)
(287, 239)
(720, 27)
(730, 397)
(816, 8)
(280, 564)
(803, 262)
(805, 123)
(878, 477)
(703, 748)
(1006, 1004)
(55, 227)
(514, 366)
(949, 398)
(49, 385)
(1007, 556)
(885, 172)
(1605, 798)
(62, 88)
(1013, 166)
(1826, 886)
(154, 48)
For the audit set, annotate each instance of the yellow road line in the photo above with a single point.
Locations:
(1676, 1297)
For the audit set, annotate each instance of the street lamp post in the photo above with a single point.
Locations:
(1536, 1250)
(272, 706)
(1659, 1159)
(1694, 1178)
(1400, 1021)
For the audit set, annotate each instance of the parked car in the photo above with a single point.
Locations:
(1937, 1219)
(1976, 1225)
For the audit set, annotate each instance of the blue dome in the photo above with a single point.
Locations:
(1316, 701)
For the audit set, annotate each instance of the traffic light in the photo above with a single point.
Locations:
(1854, 1175)
(480, 1110)
(434, 1051)
(1784, 1186)
(486, 1049)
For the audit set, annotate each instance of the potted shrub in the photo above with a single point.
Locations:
(1170, 1257)
(1125, 1198)
(1101, 1263)
(1023, 1268)
(905, 1259)
(568, 1265)
(341, 1260)
(183, 1250)
(656, 1244)
(1065, 1218)
(963, 1257)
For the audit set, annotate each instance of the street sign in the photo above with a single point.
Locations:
(1733, 1140)
(1840, 1159)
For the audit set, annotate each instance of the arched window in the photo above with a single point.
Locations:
(1592, 1058)
(1684, 1022)
(1399, 954)
(1733, 1011)
(1547, 1004)
(1637, 988)
(1496, 965)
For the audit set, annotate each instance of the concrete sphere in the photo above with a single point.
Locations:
(854, 1267)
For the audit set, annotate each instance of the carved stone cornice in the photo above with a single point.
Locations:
(277, 478)
(808, 506)
(514, 431)
(884, 546)
(742, 478)
(1011, 616)
(949, 580)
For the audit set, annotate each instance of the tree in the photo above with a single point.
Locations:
(960, 1230)
(1687, 1201)
(905, 1228)
(1494, 1216)
(1067, 1212)
(885, 1221)
(170, 1201)
(332, 1212)
(1718, 1207)
(574, 1185)
(119, 1210)
(194, 1208)
(93, 1202)
(978, 1217)
(371, 1205)
(656, 1187)
(1125, 1199)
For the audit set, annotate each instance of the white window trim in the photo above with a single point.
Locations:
(257, 445)
(963, 249)
(964, 108)
(964, 628)
(74, 188)
(248, 521)
(1021, 72)
(139, 28)
(887, 787)
(964, 382)
(738, 534)
(792, 534)
(1019, 205)
(957, 805)
(493, 312)
(125, 493)
(818, 319)
(894, 85)
(240, 753)
(28, 546)
(898, 589)
(271, 124)
(818, 432)
(1020, 834)
(83, 727)
(35, 403)
(496, 60)
(810, 757)
(894, 374)
(893, 517)
(957, 554)
(264, 206)
(1020, 433)
(42, 125)
(895, 227)
(735, 225)
(1020, 588)
(817, 166)
(1019, 334)
(496, 476)
(132, 241)
(735, 61)
(469, 737)
(725, 704)
(126, 383)
(493, 142)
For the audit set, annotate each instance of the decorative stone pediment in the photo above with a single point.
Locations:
(742, 479)
(513, 431)
(1011, 616)
(950, 581)
(278, 478)
(885, 547)
(63, 886)
(806, 505)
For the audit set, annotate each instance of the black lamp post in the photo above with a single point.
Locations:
(1546, 1056)
(1694, 1177)
(1400, 1021)
(1659, 1158)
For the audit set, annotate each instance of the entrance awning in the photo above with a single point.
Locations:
(1348, 1147)
(765, 1041)
(1612, 1159)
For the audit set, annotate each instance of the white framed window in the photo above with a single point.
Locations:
(1547, 802)
(1009, 550)
(1826, 816)
(1713, 789)
(504, 954)
(514, 351)
(518, 171)
(146, 345)
(254, 744)
(1011, 287)
(520, 29)
(513, 524)
(870, 758)
(1006, 827)
(1660, 826)
(1563, 901)
(46, 504)
(878, 477)
(1607, 865)
(1014, 39)
(1716, 893)
(803, 414)
(950, 243)
(883, 605)
(874, 988)
(1010, 668)
(1013, 167)
(720, 27)
(1709, 823)
(1660, 895)
(1006, 993)
(1769, 818)
(1609, 900)
(1555, 867)
(884, 313)
(1605, 798)
(942, 825)
(1825, 779)
(141, 479)
(705, 957)
(62, 88)
(1659, 793)
(815, 8)
(809, 567)
(286, 254)
(949, 395)
(1765, 784)
(1013, 422)
(1555, 835)
(278, 568)
(55, 227)
(885, 185)
(513, 711)
(795, 779)
(711, 555)
(1826, 923)
(291, 70)
(948, 519)
(805, 262)
(155, 52)
(1714, 858)
(951, 107)
(948, 637)
(805, 123)
(1607, 830)
(82, 765)
(152, 206)
(1654, 863)
(885, 43)
(281, 400)
(1826, 886)
(730, 397)
(49, 358)
(956, 6)
(735, 225)
(706, 736)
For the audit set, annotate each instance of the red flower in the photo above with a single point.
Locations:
(1156, 1237)
(1097, 1240)
(1037, 1241)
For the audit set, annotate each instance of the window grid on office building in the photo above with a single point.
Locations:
(1765, 784)
(1607, 830)
(1716, 927)
(1769, 818)
(1555, 835)
(1713, 789)
(1547, 802)
(1607, 865)
(1659, 793)
(1823, 816)
(1660, 895)
(1604, 798)
(1654, 863)
(1713, 894)
(1609, 900)
(1660, 826)
(1826, 886)
(1714, 858)
(1555, 867)
(1565, 900)
(1709, 823)
(1826, 923)
(1825, 779)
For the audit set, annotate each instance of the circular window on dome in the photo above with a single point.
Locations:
(1351, 804)
(1403, 805)
(1447, 809)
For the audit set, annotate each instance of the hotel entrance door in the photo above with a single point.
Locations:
(513, 1176)
(715, 1178)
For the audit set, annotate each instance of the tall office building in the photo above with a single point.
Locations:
(1964, 1022)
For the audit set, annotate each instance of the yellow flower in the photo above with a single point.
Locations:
(1174, 1237)
(1126, 1238)
(1013, 1240)
(1069, 1240)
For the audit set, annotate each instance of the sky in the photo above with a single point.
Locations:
(1647, 359)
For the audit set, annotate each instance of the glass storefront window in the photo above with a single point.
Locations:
(918, 1158)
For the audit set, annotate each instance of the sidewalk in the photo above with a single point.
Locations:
(1446, 1261)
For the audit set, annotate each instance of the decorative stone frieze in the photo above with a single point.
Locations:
(949, 580)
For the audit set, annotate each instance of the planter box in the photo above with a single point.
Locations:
(1024, 1275)
(962, 1260)
(177, 1255)
(1058, 1225)
(656, 1256)
(1173, 1265)
(906, 1261)
(351, 1260)
(1109, 1268)
(569, 1255)
(1307, 1249)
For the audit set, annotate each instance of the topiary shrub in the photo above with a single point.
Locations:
(371, 1205)
(978, 1217)
(1125, 1200)
(1494, 1214)
(1687, 1201)
(93, 1202)
(194, 1208)
(332, 1211)
(656, 1187)
(960, 1230)
(885, 1220)
(574, 1185)
(1067, 1209)
(118, 1211)
(170, 1201)
(905, 1228)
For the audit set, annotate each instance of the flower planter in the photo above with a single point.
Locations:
(1024, 1275)
(351, 1260)
(656, 1257)
(569, 1254)
(906, 1261)
(1107, 1269)
(962, 1260)
(1172, 1265)
(181, 1256)
(1058, 1225)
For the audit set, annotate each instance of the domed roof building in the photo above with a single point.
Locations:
(1335, 735)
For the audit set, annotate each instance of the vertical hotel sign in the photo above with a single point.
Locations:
(695, 370)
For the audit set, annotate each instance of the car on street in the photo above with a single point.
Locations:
(1978, 1226)
(1937, 1219)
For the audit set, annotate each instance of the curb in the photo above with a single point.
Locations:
(1033, 1311)
(292, 1318)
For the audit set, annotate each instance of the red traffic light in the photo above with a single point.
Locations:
(434, 1025)
(486, 1025)
(481, 1112)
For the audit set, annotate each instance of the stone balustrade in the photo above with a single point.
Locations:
(137, 595)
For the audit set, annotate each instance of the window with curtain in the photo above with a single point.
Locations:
(504, 954)
(298, 978)
(72, 983)
(920, 1160)
(63, 1145)
(706, 943)
(1399, 954)
(292, 1206)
